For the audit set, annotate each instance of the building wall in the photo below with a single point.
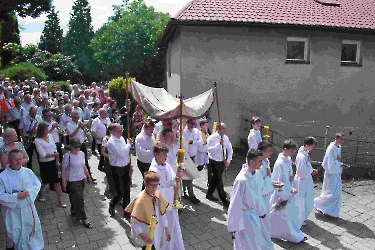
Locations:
(173, 66)
(253, 78)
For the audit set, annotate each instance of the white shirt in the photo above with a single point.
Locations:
(215, 151)
(27, 106)
(194, 136)
(75, 165)
(40, 110)
(44, 95)
(43, 147)
(71, 127)
(27, 123)
(331, 164)
(254, 139)
(99, 126)
(118, 151)
(144, 146)
(64, 120)
(54, 133)
(16, 114)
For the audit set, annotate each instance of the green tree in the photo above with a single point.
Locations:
(24, 8)
(51, 37)
(77, 40)
(9, 33)
(127, 41)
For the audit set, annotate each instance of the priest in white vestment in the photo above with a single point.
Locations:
(285, 222)
(266, 192)
(329, 201)
(166, 188)
(246, 207)
(303, 179)
(19, 187)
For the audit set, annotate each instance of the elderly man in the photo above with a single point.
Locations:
(18, 189)
(27, 104)
(75, 130)
(218, 162)
(65, 119)
(15, 114)
(119, 160)
(45, 104)
(144, 145)
(99, 130)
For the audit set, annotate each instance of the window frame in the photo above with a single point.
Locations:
(306, 52)
(358, 61)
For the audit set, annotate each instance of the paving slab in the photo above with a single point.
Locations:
(203, 225)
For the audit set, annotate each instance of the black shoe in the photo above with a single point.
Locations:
(94, 152)
(52, 187)
(93, 179)
(185, 196)
(101, 169)
(304, 239)
(194, 200)
(10, 248)
(226, 203)
(211, 198)
(111, 211)
(200, 167)
(127, 216)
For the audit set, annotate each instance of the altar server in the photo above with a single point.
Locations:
(267, 190)
(167, 187)
(150, 202)
(303, 179)
(246, 207)
(19, 187)
(254, 137)
(330, 198)
(285, 222)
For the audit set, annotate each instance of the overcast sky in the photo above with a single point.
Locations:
(100, 11)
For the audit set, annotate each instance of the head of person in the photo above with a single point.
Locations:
(151, 181)
(15, 157)
(114, 104)
(75, 104)
(103, 113)
(167, 123)
(203, 124)
(81, 100)
(66, 98)
(60, 103)
(117, 131)
(339, 138)
(42, 130)
(289, 147)
(256, 123)
(36, 92)
(87, 93)
(68, 108)
(115, 113)
(93, 85)
(191, 123)
(27, 98)
(96, 106)
(47, 115)
(76, 96)
(10, 136)
(54, 88)
(310, 143)
(7, 93)
(160, 153)
(32, 111)
(43, 88)
(167, 135)
(45, 102)
(221, 128)
(17, 101)
(149, 128)
(75, 116)
(75, 145)
(93, 94)
(1, 89)
(101, 93)
(254, 158)
(75, 87)
(266, 149)
(110, 129)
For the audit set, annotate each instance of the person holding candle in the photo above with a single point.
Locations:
(329, 201)
(148, 203)
(246, 209)
(254, 137)
(169, 184)
(303, 179)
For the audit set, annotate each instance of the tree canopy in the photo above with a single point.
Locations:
(127, 41)
(51, 37)
(24, 8)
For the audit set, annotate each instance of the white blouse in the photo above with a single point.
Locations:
(75, 166)
(44, 147)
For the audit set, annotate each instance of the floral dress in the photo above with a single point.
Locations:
(137, 121)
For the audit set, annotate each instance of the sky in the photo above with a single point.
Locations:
(100, 11)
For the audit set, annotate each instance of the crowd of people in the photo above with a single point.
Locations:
(61, 129)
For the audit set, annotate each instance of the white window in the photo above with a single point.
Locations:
(297, 49)
(351, 52)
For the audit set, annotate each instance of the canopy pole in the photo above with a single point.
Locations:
(128, 125)
(180, 163)
(221, 137)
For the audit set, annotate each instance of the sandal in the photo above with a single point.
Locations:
(87, 225)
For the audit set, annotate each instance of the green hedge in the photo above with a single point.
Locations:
(64, 86)
(117, 90)
(23, 71)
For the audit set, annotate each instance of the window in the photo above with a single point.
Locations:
(297, 50)
(350, 52)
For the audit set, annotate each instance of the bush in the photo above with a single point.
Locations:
(64, 86)
(23, 71)
(57, 67)
(117, 90)
(20, 54)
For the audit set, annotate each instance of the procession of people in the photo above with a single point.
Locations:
(60, 131)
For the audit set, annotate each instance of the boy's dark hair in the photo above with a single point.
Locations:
(310, 141)
(262, 146)
(289, 144)
(252, 154)
(339, 134)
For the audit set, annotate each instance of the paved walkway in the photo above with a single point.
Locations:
(203, 225)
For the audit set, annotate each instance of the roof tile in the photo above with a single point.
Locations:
(334, 13)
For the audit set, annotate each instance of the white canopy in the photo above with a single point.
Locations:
(159, 104)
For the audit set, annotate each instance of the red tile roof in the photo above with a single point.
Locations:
(357, 14)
